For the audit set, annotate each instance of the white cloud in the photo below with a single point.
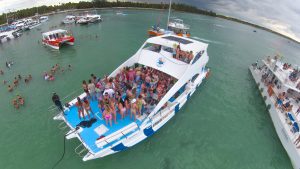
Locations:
(13, 5)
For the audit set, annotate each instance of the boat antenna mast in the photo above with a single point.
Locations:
(170, 5)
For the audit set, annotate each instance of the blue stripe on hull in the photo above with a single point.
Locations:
(148, 131)
(119, 147)
(176, 108)
(188, 96)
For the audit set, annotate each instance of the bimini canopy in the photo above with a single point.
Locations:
(158, 53)
(54, 32)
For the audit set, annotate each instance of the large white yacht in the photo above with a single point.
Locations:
(178, 79)
(279, 85)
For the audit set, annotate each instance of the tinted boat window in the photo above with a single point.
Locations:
(198, 56)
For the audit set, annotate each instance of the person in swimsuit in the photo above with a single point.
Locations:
(107, 115)
(133, 109)
(140, 103)
(79, 106)
(121, 107)
(21, 100)
(85, 88)
(127, 105)
(15, 103)
(10, 88)
(92, 89)
(87, 107)
(112, 104)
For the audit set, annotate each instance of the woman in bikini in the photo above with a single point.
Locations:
(121, 107)
(21, 100)
(107, 115)
(133, 109)
(79, 106)
(87, 107)
(112, 104)
(85, 88)
(127, 105)
(140, 102)
(15, 103)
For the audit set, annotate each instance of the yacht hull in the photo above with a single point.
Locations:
(278, 120)
(150, 128)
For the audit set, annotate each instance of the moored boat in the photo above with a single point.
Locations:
(43, 19)
(279, 85)
(7, 35)
(175, 26)
(179, 28)
(69, 19)
(164, 72)
(56, 38)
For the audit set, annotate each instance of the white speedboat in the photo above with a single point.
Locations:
(44, 19)
(69, 19)
(6, 36)
(94, 18)
(34, 24)
(83, 21)
(178, 27)
(279, 85)
(168, 84)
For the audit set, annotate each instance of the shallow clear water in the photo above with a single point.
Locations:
(224, 125)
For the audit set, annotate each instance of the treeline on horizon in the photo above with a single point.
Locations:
(24, 13)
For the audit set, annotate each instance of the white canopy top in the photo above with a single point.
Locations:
(54, 32)
(163, 60)
(186, 44)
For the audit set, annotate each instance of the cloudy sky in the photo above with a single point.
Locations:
(282, 16)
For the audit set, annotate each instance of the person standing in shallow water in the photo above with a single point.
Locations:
(57, 102)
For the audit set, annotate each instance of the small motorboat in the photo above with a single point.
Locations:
(56, 38)
(83, 21)
(44, 19)
(69, 19)
(179, 28)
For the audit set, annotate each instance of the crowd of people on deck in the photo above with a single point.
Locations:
(50, 75)
(133, 91)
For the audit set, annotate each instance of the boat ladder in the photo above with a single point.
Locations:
(62, 125)
(80, 150)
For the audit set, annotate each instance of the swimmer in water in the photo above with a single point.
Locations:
(10, 88)
(15, 103)
(21, 100)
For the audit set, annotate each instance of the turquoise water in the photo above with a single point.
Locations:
(225, 124)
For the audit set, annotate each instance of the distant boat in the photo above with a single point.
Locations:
(254, 30)
(6, 36)
(69, 19)
(120, 13)
(175, 26)
(56, 38)
(89, 18)
(44, 19)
